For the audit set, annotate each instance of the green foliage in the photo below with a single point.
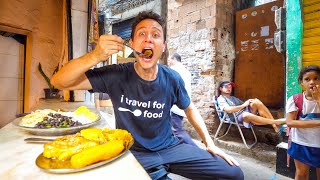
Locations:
(46, 78)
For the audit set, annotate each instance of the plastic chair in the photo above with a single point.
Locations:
(225, 119)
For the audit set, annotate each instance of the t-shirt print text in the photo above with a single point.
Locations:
(148, 104)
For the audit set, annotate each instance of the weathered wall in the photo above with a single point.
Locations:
(43, 19)
(202, 33)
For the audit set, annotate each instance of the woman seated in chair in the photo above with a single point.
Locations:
(248, 113)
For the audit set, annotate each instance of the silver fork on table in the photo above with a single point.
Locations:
(38, 140)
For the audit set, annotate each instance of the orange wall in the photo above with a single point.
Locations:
(44, 20)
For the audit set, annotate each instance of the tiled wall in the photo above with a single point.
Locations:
(79, 13)
(11, 79)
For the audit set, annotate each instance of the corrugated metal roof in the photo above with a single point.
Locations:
(119, 6)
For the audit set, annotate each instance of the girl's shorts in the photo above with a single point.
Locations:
(305, 154)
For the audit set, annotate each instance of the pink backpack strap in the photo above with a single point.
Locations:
(298, 101)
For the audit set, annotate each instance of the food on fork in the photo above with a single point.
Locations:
(147, 53)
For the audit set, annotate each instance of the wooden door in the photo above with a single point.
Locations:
(259, 68)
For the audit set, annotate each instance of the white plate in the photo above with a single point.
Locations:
(54, 131)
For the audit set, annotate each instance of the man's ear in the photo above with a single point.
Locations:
(164, 46)
(220, 88)
(130, 42)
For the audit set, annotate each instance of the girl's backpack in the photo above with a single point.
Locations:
(298, 101)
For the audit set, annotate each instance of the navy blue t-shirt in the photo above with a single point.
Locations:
(142, 107)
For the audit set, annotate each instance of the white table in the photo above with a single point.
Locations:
(17, 161)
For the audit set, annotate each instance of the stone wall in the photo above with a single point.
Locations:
(201, 31)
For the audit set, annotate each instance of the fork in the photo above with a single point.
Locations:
(38, 140)
(137, 52)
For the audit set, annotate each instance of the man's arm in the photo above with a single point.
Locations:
(197, 122)
(232, 109)
(72, 75)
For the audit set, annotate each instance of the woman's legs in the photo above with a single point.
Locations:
(302, 171)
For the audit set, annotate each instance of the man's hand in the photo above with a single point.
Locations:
(107, 45)
(247, 102)
(217, 151)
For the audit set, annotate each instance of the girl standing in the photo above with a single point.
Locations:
(305, 132)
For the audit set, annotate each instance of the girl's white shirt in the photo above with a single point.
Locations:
(305, 136)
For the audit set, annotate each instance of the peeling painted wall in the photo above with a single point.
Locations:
(44, 20)
(294, 33)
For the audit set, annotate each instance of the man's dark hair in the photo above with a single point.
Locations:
(177, 57)
(149, 15)
(306, 69)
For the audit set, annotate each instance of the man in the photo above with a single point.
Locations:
(148, 90)
(248, 113)
(177, 114)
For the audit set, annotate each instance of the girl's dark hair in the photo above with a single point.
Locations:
(149, 15)
(306, 69)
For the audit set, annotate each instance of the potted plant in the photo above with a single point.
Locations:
(51, 92)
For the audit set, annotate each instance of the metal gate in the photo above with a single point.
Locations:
(259, 68)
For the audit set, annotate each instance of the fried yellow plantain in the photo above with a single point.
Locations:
(97, 153)
(94, 134)
(65, 147)
(87, 147)
(118, 134)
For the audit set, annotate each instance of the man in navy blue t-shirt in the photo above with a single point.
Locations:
(142, 94)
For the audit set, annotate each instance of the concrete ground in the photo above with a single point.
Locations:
(253, 169)
(257, 170)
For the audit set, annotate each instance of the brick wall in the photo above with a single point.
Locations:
(201, 31)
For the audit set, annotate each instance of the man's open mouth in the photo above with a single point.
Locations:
(148, 53)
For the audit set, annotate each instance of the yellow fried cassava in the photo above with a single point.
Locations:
(65, 147)
(118, 134)
(94, 134)
(97, 153)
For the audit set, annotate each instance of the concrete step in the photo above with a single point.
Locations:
(261, 151)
